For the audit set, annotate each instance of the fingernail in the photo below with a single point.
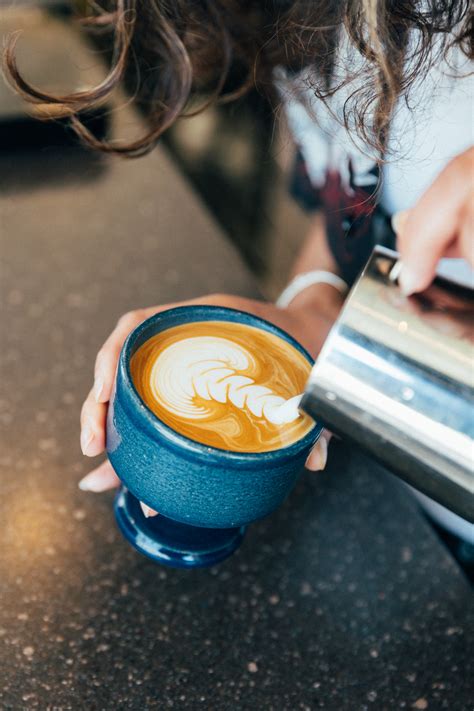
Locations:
(395, 221)
(395, 270)
(398, 220)
(93, 482)
(323, 452)
(87, 435)
(98, 388)
(319, 456)
(147, 511)
(407, 281)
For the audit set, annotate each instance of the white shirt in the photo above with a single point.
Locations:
(422, 141)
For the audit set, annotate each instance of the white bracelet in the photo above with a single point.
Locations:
(303, 281)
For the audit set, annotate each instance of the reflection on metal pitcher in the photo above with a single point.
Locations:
(396, 376)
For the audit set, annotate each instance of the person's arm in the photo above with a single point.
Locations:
(315, 254)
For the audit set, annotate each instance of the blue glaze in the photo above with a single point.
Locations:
(187, 481)
(171, 543)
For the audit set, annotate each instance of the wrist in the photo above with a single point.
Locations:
(322, 299)
(312, 314)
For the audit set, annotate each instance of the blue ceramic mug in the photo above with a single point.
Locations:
(205, 496)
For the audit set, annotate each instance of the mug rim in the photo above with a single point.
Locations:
(157, 427)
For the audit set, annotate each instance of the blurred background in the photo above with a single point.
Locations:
(237, 156)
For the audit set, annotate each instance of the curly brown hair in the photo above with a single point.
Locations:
(181, 50)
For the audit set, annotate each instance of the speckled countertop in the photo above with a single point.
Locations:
(343, 599)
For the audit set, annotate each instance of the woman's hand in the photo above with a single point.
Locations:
(440, 225)
(307, 324)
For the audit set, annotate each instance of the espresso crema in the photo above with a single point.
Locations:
(221, 383)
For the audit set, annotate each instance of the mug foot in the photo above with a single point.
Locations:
(170, 543)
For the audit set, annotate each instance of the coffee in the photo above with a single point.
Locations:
(221, 383)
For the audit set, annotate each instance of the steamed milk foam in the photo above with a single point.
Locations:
(222, 384)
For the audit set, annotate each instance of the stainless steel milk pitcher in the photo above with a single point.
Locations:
(396, 377)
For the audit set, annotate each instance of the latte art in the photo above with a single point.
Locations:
(223, 384)
(194, 370)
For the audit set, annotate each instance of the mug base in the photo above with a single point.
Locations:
(177, 545)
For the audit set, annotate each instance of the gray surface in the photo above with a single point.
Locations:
(344, 599)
